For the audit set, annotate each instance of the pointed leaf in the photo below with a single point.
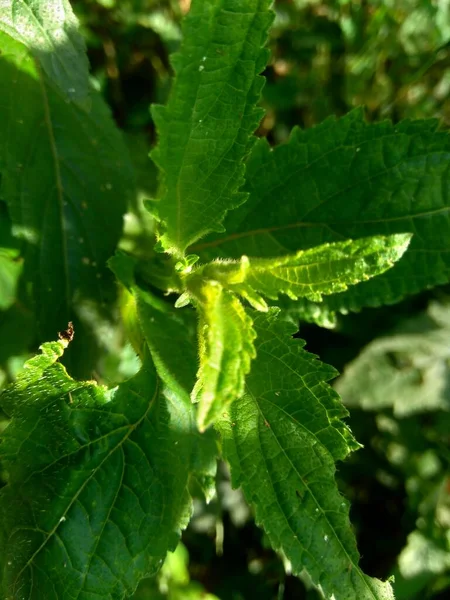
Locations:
(226, 337)
(206, 129)
(326, 269)
(282, 439)
(347, 179)
(96, 482)
(50, 31)
(63, 169)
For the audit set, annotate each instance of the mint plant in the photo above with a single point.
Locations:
(344, 216)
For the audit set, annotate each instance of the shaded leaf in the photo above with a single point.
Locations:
(10, 270)
(63, 169)
(170, 334)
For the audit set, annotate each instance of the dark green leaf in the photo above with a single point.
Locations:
(348, 179)
(66, 179)
(406, 371)
(282, 439)
(50, 31)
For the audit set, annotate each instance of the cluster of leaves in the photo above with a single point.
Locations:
(98, 480)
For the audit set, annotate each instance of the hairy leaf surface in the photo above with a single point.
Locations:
(206, 128)
(326, 269)
(282, 439)
(96, 482)
(63, 169)
(226, 340)
(50, 31)
(348, 179)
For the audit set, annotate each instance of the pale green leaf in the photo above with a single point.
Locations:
(96, 482)
(63, 169)
(49, 29)
(406, 371)
(226, 341)
(326, 269)
(205, 131)
(347, 179)
(282, 439)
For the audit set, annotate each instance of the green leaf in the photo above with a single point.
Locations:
(96, 482)
(326, 269)
(171, 337)
(170, 334)
(50, 31)
(226, 342)
(406, 371)
(347, 179)
(10, 270)
(63, 169)
(206, 128)
(10, 261)
(282, 439)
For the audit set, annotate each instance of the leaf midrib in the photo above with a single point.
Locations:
(59, 185)
(299, 224)
(208, 175)
(318, 505)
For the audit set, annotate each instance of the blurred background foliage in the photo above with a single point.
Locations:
(328, 56)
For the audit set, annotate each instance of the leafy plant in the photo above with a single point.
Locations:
(97, 479)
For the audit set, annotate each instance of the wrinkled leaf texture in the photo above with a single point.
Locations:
(348, 179)
(282, 439)
(96, 481)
